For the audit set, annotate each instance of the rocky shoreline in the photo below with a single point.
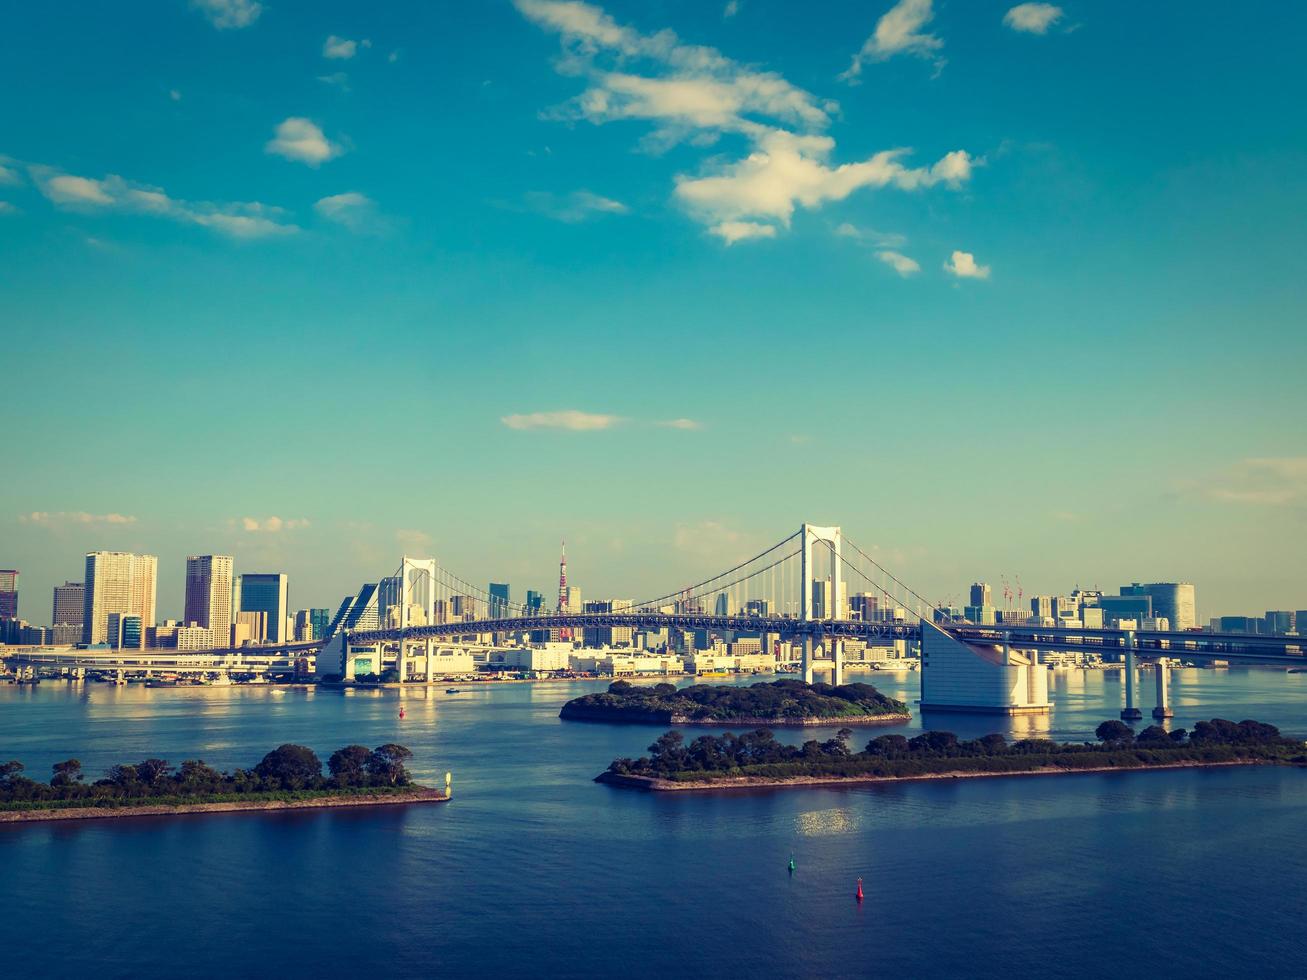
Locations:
(415, 795)
(656, 785)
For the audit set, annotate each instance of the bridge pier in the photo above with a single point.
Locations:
(807, 658)
(431, 659)
(1130, 712)
(837, 661)
(1163, 709)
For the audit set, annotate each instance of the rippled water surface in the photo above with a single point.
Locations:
(534, 869)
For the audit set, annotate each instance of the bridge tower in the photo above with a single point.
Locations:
(829, 536)
(417, 604)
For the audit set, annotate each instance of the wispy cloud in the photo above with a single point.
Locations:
(268, 525)
(899, 262)
(8, 174)
(899, 31)
(686, 424)
(412, 538)
(302, 140)
(62, 518)
(691, 93)
(710, 539)
(573, 207)
(7, 208)
(1033, 18)
(352, 210)
(731, 9)
(869, 236)
(964, 266)
(229, 14)
(247, 219)
(1272, 481)
(342, 48)
(571, 419)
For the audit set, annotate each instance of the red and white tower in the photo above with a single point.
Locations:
(562, 581)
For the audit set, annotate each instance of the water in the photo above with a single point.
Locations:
(533, 868)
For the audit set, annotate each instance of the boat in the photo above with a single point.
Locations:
(451, 690)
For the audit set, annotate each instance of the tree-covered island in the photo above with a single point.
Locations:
(783, 702)
(289, 775)
(758, 759)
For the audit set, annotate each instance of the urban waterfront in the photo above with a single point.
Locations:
(533, 866)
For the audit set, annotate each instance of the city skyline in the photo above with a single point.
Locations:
(518, 256)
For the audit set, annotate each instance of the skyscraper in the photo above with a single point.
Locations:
(535, 602)
(69, 607)
(982, 594)
(121, 582)
(499, 599)
(1174, 600)
(267, 593)
(8, 593)
(209, 595)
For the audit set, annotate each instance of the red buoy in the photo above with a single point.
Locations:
(401, 714)
(858, 894)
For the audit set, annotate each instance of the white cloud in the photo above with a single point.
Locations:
(8, 175)
(411, 538)
(711, 539)
(228, 14)
(685, 424)
(174, 95)
(114, 194)
(899, 31)
(302, 140)
(337, 79)
(7, 208)
(571, 419)
(872, 237)
(788, 170)
(695, 94)
(731, 9)
(269, 525)
(741, 231)
(339, 47)
(573, 207)
(1033, 18)
(1270, 481)
(899, 262)
(62, 518)
(964, 266)
(353, 210)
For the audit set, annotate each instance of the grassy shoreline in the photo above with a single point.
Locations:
(730, 783)
(42, 810)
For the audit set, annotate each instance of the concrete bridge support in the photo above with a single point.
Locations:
(1163, 709)
(837, 661)
(1130, 712)
(807, 658)
(431, 660)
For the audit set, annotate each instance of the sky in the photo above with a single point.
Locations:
(1003, 290)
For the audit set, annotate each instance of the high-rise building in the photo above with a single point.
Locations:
(311, 624)
(69, 607)
(1300, 622)
(864, 606)
(1041, 606)
(571, 599)
(535, 602)
(982, 594)
(265, 593)
(209, 595)
(121, 582)
(722, 607)
(500, 595)
(8, 593)
(1279, 621)
(608, 636)
(123, 631)
(1172, 600)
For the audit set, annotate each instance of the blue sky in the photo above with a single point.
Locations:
(1001, 290)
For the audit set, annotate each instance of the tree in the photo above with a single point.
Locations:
(66, 773)
(10, 771)
(992, 744)
(889, 746)
(196, 777)
(386, 764)
(934, 742)
(151, 771)
(664, 690)
(1153, 735)
(621, 688)
(349, 766)
(1114, 732)
(294, 766)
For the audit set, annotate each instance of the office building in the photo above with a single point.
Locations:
(123, 631)
(864, 606)
(311, 624)
(196, 638)
(1172, 600)
(69, 606)
(209, 595)
(500, 600)
(572, 596)
(1117, 607)
(266, 593)
(722, 607)
(121, 582)
(981, 594)
(1041, 606)
(535, 602)
(250, 627)
(8, 593)
(607, 636)
(1279, 621)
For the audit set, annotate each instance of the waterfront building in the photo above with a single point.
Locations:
(194, 637)
(985, 678)
(8, 593)
(117, 582)
(311, 624)
(162, 636)
(1279, 621)
(1300, 622)
(1174, 600)
(266, 593)
(209, 594)
(69, 605)
(1131, 606)
(123, 631)
(66, 634)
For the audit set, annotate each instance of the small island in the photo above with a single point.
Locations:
(288, 777)
(783, 702)
(756, 759)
